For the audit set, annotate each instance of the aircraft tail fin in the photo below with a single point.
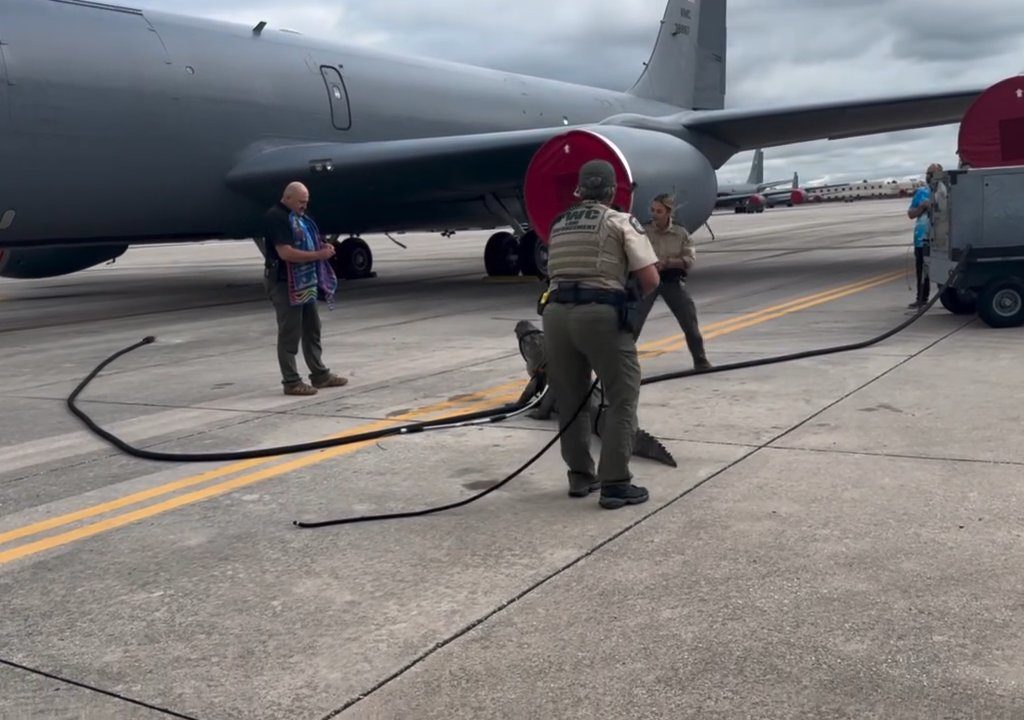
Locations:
(687, 66)
(756, 176)
(796, 180)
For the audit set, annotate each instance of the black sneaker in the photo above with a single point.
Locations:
(581, 485)
(615, 496)
(701, 364)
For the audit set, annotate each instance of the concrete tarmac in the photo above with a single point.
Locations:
(840, 539)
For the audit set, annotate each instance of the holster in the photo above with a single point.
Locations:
(629, 309)
(542, 301)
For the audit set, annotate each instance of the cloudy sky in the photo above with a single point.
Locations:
(780, 52)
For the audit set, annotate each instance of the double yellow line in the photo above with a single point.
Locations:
(259, 469)
(742, 322)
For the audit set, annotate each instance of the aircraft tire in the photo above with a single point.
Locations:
(1001, 303)
(353, 258)
(533, 255)
(501, 254)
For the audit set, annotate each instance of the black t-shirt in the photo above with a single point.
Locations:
(277, 231)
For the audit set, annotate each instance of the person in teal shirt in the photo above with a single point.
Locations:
(919, 212)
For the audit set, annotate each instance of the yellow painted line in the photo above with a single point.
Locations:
(828, 294)
(149, 494)
(743, 322)
(117, 521)
(482, 400)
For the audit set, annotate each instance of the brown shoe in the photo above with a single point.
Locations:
(331, 380)
(299, 388)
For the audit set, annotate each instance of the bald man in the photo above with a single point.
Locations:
(919, 211)
(296, 276)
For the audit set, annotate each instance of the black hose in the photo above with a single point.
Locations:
(647, 381)
(491, 415)
(460, 503)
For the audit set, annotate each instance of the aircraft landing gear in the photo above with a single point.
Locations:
(533, 255)
(506, 255)
(352, 258)
(501, 254)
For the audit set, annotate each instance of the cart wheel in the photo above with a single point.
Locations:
(958, 302)
(1001, 303)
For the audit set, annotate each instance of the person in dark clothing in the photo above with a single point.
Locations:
(297, 275)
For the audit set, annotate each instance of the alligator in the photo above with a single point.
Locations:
(531, 347)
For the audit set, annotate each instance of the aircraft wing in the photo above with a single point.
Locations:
(416, 170)
(767, 127)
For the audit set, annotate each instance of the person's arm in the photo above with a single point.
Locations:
(688, 254)
(648, 278)
(280, 235)
(918, 206)
(292, 254)
(640, 256)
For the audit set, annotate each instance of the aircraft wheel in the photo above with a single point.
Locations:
(1001, 303)
(533, 255)
(501, 254)
(352, 258)
(958, 302)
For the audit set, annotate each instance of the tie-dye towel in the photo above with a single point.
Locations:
(308, 280)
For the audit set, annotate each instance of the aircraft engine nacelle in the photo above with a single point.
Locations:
(646, 163)
(797, 196)
(33, 263)
(756, 201)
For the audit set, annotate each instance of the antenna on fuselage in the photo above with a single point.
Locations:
(259, 27)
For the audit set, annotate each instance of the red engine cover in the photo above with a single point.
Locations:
(554, 171)
(992, 129)
(797, 196)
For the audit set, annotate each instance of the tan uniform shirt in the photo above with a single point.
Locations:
(674, 243)
(640, 251)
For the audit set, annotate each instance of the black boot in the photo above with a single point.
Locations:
(615, 496)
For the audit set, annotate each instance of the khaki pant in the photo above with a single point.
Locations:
(579, 339)
(682, 306)
(299, 324)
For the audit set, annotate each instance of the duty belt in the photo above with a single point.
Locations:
(577, 295)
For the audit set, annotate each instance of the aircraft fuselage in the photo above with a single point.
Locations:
(130, 122)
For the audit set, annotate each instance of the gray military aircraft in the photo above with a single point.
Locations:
(755, 194)
(119, 126)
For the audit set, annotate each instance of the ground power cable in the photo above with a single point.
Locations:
(484, 416)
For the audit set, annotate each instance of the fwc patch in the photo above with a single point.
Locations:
(636, 225)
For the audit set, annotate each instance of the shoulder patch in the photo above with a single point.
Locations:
(637, 226)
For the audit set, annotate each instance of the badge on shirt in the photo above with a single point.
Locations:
(636, 225)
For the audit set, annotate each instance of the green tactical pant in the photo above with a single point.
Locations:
(579, 339)
(296, 324)
(682, 306)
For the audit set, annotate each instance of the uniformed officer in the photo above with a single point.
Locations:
(591, 252)
(676, 255)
